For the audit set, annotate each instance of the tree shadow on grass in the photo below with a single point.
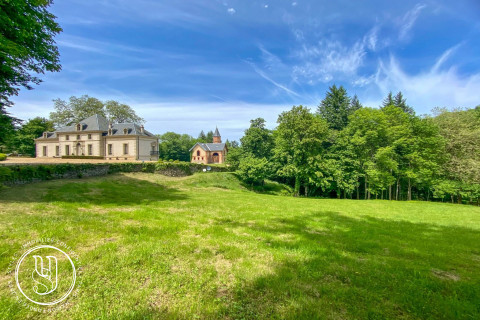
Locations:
(337, 267)
(118, 190)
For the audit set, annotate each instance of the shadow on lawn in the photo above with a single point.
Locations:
(116, 190)
(340, 267)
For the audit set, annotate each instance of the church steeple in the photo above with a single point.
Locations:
(216, 136)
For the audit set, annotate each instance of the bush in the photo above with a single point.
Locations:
(253, 171)
(3, 157)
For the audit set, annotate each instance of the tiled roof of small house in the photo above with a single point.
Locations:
(210, 146)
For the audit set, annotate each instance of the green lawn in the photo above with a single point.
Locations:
(204, 247)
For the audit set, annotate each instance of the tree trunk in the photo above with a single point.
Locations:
(339, 195)
(451, 196)
(366, 192)
(409, 196)
(459, 198)
(296, 193)
(390, 192)
(398, 189)
(358, 192)
(369, 193)
(306, 191)
(382, 194)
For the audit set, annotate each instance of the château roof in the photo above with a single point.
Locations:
(99, 123)
(216, 133)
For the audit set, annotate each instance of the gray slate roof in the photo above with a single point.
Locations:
(210, 146)
(93, 123)
(216, 133)
(99, 123)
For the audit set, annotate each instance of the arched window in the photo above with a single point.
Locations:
(198, 153)
(79, 127)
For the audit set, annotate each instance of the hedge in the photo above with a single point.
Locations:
(19, 174)
(3, 157)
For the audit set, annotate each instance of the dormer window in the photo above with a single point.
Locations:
(125, 131)
(45, 135)
(110, 132)
(79, 127)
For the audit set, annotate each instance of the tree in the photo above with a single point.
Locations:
(461, 131)
(388, 101)
(26, 135)
(121, 113)
(79, 108)
(401, 103)
(7, 129)
(258, 140)
(175, 146)
(298, 142)
(209, 138)
(26, 45)
(202, 137)
(355, 104)
(253, 171)
(336, 107)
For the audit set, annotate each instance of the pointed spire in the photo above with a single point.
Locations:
(216, 133)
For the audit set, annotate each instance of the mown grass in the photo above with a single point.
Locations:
(205, 247)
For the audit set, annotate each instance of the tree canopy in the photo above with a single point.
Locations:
(27, 46)
(79, 108)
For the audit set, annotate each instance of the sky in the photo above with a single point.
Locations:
(192, 65)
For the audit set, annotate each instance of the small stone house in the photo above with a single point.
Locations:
(209, 152)
(95, 136)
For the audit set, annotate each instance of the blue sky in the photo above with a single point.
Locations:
(191, 65)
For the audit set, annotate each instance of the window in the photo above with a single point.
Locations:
(125, 131)
(125, 148)
(45, 151)
(79, 127)
(90, 149)
(67, 150)
(110, 149)
(110, 132)
(67, 137)
(198, 153)
(78, 137)
(57, 151)
(89, 136)
(45, 135)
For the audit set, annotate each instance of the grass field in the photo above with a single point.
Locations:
(204, 247)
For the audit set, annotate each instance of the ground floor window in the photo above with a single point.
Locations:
(110, 149)
(90, 149)
(45, 151)
(67, 150)
(57, 151)
(125, 148)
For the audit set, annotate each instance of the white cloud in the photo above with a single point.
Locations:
(266, 6)
(327, 60)
(408, 21)
(231, 11)
(294, 4)
(426, 90)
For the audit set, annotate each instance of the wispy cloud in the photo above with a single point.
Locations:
(328, 59)
(262, 74)
(432, 88)
(408, 21)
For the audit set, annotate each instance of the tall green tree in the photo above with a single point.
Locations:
(175, 146)
(258, 140)
(27, 46)
(32, 129)
(336, 107)
(298, 141)
(400, 102)
(79, 108)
